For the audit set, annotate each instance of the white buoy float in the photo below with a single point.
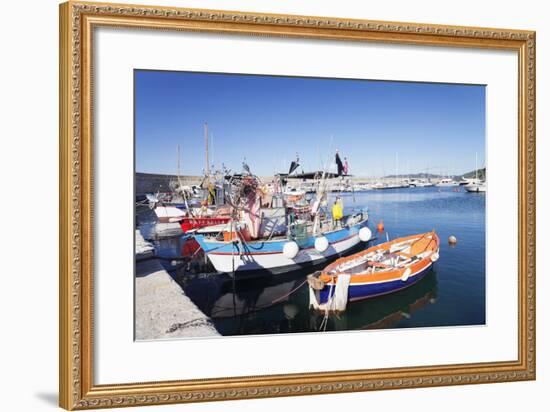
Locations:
(290, 249)
(452, 240)
(321, 244)
(365, 234)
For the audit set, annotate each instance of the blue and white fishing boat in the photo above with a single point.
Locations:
(229, 249)
(270, 233)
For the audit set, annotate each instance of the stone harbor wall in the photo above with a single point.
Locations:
(152, 183)
(162, 309)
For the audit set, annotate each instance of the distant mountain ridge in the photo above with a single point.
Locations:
(415, 176)
(472, 174)
(468, 175)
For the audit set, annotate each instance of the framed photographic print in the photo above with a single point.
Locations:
(256, 205)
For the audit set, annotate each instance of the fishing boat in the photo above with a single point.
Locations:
(278, 236)
(189, 215)
(378, 270)
(203, 217)
(165, 212)
(230, 247)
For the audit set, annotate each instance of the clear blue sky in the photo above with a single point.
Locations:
(268, 119)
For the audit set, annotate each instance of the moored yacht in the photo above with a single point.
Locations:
(446, 182)
(476, 187)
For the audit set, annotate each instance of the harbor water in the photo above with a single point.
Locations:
(453, 292)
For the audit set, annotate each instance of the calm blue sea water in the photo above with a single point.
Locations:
(452, 294)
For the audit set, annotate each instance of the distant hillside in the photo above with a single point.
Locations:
(480, 174)
(416, 176)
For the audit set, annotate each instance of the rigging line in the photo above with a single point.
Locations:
(267, 305)
(233, 271)
(289, 293)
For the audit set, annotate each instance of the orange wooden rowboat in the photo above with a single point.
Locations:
(378, 270)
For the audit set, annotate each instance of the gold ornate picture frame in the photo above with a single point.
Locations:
(76, 384)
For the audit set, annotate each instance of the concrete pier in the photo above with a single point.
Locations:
(162, 310)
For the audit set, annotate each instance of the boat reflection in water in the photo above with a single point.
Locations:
(384, 312)
(280, 304)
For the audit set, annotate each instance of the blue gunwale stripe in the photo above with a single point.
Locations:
(366, 291)
(277, 252)
(216, 247)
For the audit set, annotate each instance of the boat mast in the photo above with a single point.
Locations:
(207, 168)
(180, 185)
(178, 171)
(178, 149)
(396, 168)
(476, 166)
(212, 152)
(320, 191)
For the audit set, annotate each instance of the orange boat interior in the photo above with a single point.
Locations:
(386, 261)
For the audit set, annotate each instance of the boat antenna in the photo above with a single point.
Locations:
(321, 188)
(178, 168)
(180, 185)
(396, 168)
(178, 171)
(212, 148)
(476, 167)
(207, 169)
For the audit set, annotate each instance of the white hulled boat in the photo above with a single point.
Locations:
(297, 235)
(447, 182)
(475, 185)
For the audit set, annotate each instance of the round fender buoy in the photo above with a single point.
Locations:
(434, 257)
(321, 244)
(290, 250)
(406, 274)
(365, 234)
(452, 240)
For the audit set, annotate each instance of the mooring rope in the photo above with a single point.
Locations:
(324, 322)
(289, 293)
(273, 302)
